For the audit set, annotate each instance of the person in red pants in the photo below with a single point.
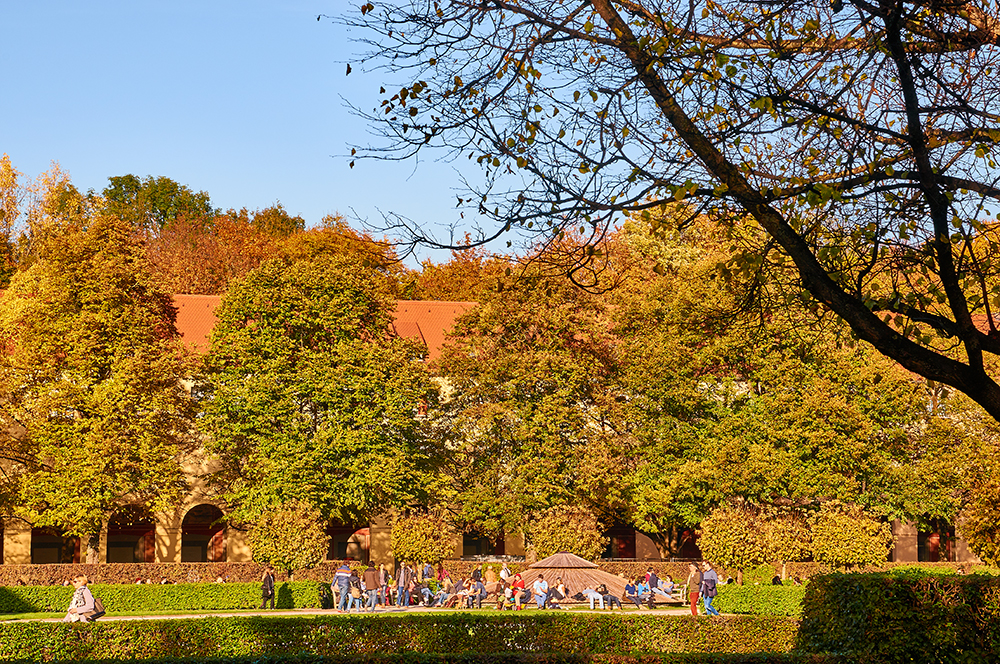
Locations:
(693, 584)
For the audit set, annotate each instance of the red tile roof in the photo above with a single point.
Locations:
(428, 321)
(195, 319)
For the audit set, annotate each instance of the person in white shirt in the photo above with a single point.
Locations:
(540, 588)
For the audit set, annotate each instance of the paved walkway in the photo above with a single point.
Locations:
(415, 610)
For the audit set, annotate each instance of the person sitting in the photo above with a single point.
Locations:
(540, 589)
(776, 581)
(505, 596)
(423, 591)
(81, 606)
(446, 590)
(665, 588)
(644, 592)
(477, 593)
(519, 592)
(593, 595)
(632, 593)
(557, 594)
(609, 599)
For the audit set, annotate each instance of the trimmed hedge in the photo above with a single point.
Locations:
(342, 635)
(904, 617)
(129, 573)
(763, 600)
(250, 572)
(170, 597)
(509, 658)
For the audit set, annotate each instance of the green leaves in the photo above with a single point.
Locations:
(312, 399)
(93, 373)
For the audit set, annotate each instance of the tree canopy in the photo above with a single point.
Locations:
(859, 137)
(94, 415)
(309, 397)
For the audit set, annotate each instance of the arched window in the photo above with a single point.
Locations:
(347, 541)
(131, 537)
(49, 547)
(203, 535)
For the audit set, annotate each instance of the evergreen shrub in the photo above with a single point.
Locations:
(445, 633)
(507, 658)
(910, 616)
(760, 600)
(170, 597)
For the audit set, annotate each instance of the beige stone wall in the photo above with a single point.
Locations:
(645, 547)
(16, 543)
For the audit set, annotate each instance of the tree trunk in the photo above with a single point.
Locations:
(784, 571)
(94, 549)
(739, 577)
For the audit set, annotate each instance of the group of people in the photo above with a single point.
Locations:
(412, 586)
(702, 582)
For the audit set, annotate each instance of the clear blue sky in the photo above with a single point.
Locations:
(243, 100)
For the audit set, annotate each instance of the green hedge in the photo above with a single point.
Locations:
(169, 597)
(903, 617)
(763, 600)
(509, 658)
(448, 633)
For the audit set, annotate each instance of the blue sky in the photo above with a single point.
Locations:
(244, 100)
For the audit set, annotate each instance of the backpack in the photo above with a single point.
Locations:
(98, 609)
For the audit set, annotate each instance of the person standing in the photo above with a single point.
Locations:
(342, 579)
(267, 587)
(383, 584)
(372, 586)
(709, 588)
(694, 587)
(403, 581)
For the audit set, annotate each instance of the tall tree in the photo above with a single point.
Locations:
(529, 373)
(311, 398)
(861, 137)
(91, 394)
(153, 203)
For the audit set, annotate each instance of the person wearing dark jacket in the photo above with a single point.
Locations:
(371, 584)
(267, 587)
(709, 582)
